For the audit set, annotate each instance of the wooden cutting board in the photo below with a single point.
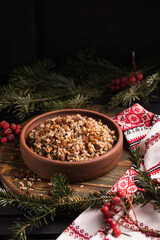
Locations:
(18, 179)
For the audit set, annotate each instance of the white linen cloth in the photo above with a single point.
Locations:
(141, 128)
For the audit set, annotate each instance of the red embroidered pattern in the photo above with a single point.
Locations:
(77, 232)
(155, 169)
(136, 139)
(101, 233)
(126, 182)
(152, 140)
(133, 117)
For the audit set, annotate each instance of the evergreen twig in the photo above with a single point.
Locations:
(137, 92)
(41, 87)
(38, 208)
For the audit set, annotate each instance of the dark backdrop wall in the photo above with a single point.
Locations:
(33, 29)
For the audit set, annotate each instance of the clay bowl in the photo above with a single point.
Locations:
(75, 171)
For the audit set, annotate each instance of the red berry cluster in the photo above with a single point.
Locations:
(121, 83)
(108, 213)
(8, 131)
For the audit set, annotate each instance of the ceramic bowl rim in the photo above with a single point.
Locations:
(90, 161)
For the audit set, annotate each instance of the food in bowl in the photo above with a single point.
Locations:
(71, 138)
(75, 171)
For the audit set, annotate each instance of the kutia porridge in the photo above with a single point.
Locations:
(71, 138)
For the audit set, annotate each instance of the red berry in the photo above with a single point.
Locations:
(13, 126)
(107, 204)
(18, 126)
(132, 80)
(2, 123)
(6, 125)
(105, 210)
(17, 131)
(124, 80)
(3, 140)
(115, 201)
(7, 131)
(121, 193)
(108, 215)
(117, 81)
(111, 222)
(108, 220)
(116, 232)
(139, 76)
(11, 137)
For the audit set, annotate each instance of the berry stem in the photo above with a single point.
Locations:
(131, 201)
(135, 222)
(133, 62)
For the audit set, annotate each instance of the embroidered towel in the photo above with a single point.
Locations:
(141, 128)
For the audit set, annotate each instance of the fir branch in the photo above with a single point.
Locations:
(78, 101)
(18, 230)
(32, 220)
(31, 74)
(40, 87)
(25, 202)
(151, 190)
(39, 208)
(68, 205)
(26, 103)
(60, 186)
(8, 94)
(126, 97)
(88, 68)
(6, 198)
(21, 106)
(136, 158)
(137, 92)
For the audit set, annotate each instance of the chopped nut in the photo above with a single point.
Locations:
(21, 183)
(23, 188)
(39, 179)
(32, 179)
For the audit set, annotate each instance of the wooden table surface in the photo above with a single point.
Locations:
(9, 214)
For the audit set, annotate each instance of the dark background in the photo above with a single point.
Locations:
(33, 29)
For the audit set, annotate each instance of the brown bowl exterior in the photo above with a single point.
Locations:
(75, 171)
